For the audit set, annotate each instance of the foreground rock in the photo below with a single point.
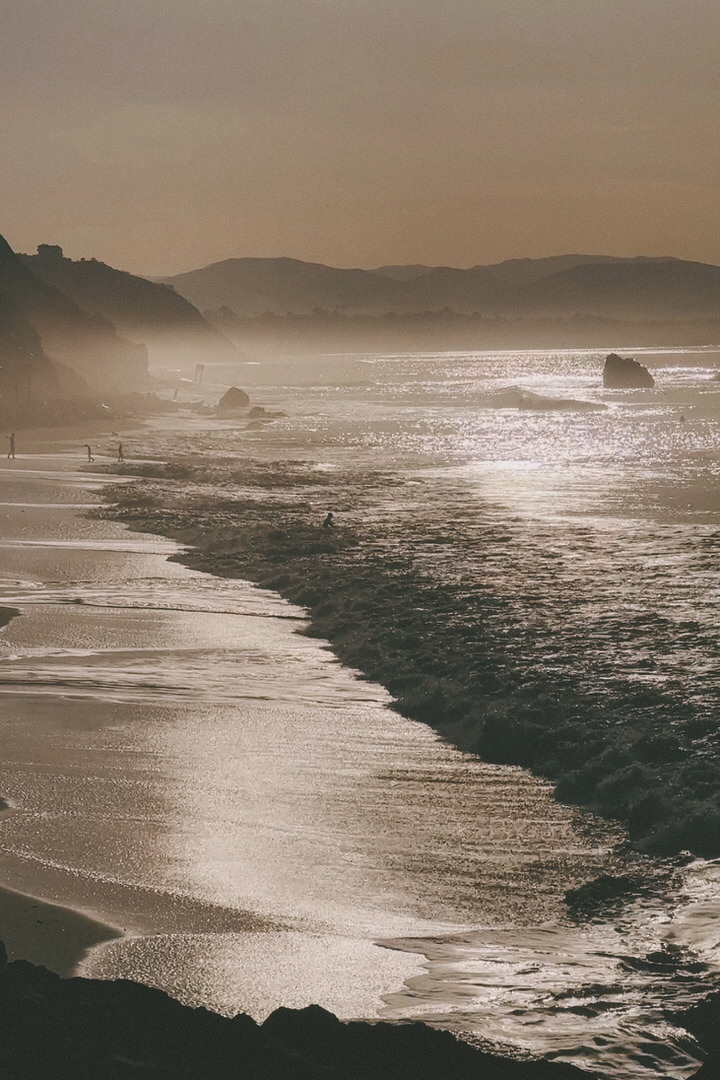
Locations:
(703, 1021)
(624, 373)
(85, 1028)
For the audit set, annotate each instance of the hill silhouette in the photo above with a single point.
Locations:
(42, 326)
(254, 286)
(637, 289)
(148, 312)
(648, 288)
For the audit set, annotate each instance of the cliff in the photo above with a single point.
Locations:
(144, 311)
(86, 345)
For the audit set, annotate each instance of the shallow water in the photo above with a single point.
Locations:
(186, 764)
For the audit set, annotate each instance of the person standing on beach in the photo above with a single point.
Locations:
(11, 451)
(89, 450)
(120, 452)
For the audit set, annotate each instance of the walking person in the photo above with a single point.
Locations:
(11, 451)
(89, 450)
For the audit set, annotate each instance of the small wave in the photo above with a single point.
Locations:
(598, 995)
(516, 398)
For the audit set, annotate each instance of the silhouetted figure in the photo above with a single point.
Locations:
(89, 450)
(328, 523)
(120, 452)
(11, 451)
(682, 418)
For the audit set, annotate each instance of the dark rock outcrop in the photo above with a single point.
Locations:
(624, 373)
(703, 1021)
(233, 400)
(85, 1028)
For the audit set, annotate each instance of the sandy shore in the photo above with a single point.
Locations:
(91, 692)
(47, 934)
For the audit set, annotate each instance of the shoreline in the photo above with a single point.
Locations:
(304, 563)
(49, 935)
(43, 923)
(52, 935)
(448, 655)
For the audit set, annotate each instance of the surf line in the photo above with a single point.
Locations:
(79, 602)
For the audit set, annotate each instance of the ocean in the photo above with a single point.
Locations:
(522, 584)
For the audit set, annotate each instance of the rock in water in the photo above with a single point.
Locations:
(624, 373)
(233, 400)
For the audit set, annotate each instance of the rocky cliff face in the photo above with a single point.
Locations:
(143, 311)
(31, 385)
(84, 344)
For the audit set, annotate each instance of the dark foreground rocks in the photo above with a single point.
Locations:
(86, 1029)
(624, 373)
(703, 1021)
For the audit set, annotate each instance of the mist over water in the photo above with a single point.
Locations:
(230, 763)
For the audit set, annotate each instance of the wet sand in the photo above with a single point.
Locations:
(244, 836)
(48, 934)
(90, 679)
(45, 488)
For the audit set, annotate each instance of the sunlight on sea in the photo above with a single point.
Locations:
(260, 819)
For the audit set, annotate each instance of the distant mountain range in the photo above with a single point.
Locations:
(565, 286)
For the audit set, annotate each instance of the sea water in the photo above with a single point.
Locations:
(267, 827)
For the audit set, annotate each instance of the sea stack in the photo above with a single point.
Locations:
(624, 373)
(233, 401)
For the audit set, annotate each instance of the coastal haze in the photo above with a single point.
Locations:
(359, 524)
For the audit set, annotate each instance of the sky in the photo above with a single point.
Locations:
(163, 135)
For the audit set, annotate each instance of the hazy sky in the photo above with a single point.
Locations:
(162, 135)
